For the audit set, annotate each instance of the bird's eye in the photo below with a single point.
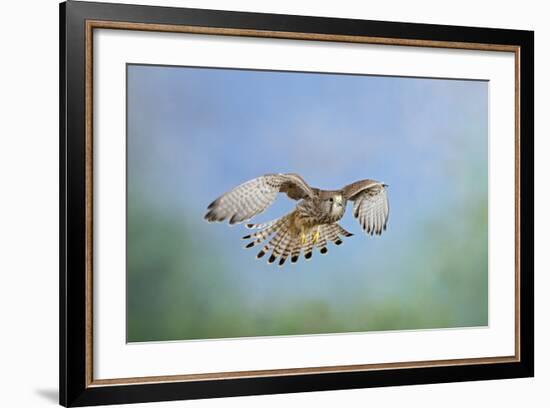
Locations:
(331, 199)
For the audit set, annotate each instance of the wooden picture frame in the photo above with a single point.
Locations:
(78, 20)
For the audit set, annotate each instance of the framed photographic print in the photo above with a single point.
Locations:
(256, 203)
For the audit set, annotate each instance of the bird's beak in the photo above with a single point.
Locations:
(385, 185)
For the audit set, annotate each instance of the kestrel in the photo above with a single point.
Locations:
(311, 224)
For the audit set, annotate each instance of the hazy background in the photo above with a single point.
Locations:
(195, 133)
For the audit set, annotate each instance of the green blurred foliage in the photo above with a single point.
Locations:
(177, 289)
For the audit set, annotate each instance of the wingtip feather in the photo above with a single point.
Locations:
(213, 204)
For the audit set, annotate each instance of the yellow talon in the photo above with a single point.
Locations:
(303, 238)
(316, 236)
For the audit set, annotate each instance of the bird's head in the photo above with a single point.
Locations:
(334, 204)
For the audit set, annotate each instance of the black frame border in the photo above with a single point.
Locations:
(72, 125)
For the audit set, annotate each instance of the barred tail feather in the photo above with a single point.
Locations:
(276, 244)
(282, 243)
(322, 242)
(286, 248)
(271, 228)
(333, 233)
(295, 250)
(308, 247)
(292, 249)
(264, 224)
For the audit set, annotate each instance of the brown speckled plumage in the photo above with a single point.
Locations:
(314, 221)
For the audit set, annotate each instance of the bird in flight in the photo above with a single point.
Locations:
(314, 221)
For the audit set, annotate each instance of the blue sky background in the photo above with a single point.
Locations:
(194, 133)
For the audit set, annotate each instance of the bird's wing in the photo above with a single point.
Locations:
(370, 205)
(254, 196)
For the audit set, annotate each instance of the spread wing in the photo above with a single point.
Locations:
(370, 205)
(254, 196)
